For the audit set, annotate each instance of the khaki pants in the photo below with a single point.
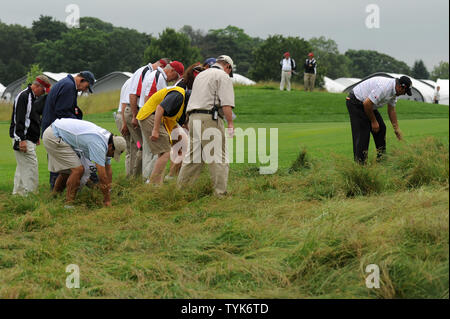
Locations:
(192, 164)
(285, 80)
(26, 178)
(309, 80)
(135, 136)
(118, 119)
(148, 158)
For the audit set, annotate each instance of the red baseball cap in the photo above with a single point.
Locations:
(178, 67)
(44, 82)
(287, 54)
(311, 54)
(163, 63)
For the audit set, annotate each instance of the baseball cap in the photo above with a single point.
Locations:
(287, 54)
(163, 62)
(310, 54)
(228, 60)
(44, 82)
(406, 83)
(178, 67)
(88, 76)
(209, 61)
(120, 146)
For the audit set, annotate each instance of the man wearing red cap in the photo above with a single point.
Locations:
(310, 72)
(131, 125)
(25, 130)
(287, 67)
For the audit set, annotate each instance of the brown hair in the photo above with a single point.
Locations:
(190, 74)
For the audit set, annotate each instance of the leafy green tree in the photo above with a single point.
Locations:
(330, 62)
(419, 70)
(16, 51)
(440, 71)
(197, 37)
(173, 45)
(47, 28)
(267, 57)
(96, 24)
(34, 71)
(366, 62)
(234, 42)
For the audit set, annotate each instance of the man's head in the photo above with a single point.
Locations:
(116, 146)
(403, 86)
(310, 55)
(161, 63)
(209, 62)
(174, 70)
(41, 85)
(227, 64)
(438, 88)
(287, 55)
(84, 81)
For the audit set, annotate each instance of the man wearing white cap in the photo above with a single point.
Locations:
(67, 137)
(211, 100)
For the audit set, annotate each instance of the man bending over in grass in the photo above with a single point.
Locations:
(64, 138)
(363, 103)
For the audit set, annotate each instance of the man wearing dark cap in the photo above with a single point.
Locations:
(62, 102)
(363, 103)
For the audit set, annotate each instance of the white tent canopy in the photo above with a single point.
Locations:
(240, 79)
(347, 81)
(443, 83)
(332, 86)
(2, 89)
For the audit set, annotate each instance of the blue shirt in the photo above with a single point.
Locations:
(61, 102)
(84, 136)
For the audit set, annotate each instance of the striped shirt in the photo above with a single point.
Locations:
(379, 89)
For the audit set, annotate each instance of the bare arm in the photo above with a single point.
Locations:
(393, 117)
(228, 112)
(368, 109)
(134, 109)
(105, 177)
(158, 116)
(124, 129)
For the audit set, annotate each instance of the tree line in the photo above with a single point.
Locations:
(103, 48)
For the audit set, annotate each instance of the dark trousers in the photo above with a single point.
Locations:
(362, 128)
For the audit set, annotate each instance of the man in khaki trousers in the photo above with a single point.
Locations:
(212, 88)
(310, 72)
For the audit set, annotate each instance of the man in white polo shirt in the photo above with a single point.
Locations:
(287, 67)
(135, 91)
(64, 137)
(363, 103)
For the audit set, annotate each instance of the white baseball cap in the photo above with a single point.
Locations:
(120, 145)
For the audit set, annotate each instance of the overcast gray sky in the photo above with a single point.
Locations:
(408, 29)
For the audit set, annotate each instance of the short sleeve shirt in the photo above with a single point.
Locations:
(151, 84)
(136, 79)
(124, 96)
(380, 90)
(213, 84)
(172, 103)
(84, 136)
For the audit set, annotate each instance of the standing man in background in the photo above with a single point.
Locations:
(287, 67)
(25, 131)
(62, 102)
(310, 67)
(437, 95)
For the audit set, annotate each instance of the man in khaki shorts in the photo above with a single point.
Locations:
(212, 95)
(64, 137)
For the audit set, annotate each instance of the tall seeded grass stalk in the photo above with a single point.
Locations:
(5, 111)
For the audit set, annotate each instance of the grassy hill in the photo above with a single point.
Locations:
(308, 231)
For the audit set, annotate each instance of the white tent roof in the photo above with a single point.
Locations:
(426, 91)
(2, 89)
(443, 83)
(430, 82)
(347, 81)
(332, 86)
(240, 79)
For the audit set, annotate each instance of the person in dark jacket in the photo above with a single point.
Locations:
(310, 67)
(25, 130)
(62, 102)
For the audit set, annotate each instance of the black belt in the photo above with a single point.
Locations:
(354, 99)
(200, 111)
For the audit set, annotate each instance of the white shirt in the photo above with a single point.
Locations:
(286, 65)
(437, 95)
(124, 95)
(379, 89)
(150, 84)
(136, 78)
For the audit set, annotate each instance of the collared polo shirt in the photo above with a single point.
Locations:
(135, 86)
(151, 84)
(380, 90)
(211, 84)
(124, 96)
